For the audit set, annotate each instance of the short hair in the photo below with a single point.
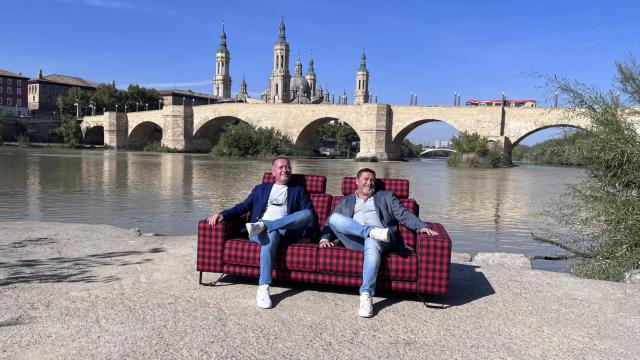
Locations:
(364, 170)
(280, 158)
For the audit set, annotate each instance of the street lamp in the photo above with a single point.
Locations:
(504, 98)
(77, 104)
(160, 104)
(137, 106)
(125, 109)
(146, 106)
(116, 108)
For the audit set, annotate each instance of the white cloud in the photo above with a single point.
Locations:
(120, 5)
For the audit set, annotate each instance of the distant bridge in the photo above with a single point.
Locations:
(381, 127)
(437, 149)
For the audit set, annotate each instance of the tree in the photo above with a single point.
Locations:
(474, 150)
(240, 139)
(342, 137)
(603, 211)
(70, 131)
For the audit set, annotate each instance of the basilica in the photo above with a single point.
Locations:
(284, 87)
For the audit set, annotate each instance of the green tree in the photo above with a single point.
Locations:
(70, 131)
(603, 211)
(473, 150)
(409, 149)
(240, 139)
(344, 139)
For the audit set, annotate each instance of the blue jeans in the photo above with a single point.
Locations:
(355, 236)
(289, 226)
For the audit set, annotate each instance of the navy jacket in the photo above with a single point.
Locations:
(256, 202)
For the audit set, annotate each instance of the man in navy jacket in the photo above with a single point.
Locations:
(276, 211)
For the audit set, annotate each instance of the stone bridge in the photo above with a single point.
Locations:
(381, 127)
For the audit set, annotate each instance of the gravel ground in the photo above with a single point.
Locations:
(75, 291)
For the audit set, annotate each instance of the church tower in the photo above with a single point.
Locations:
(222, 80)
(243, 95)
(362, 82)
(311, 79)
(280, 77)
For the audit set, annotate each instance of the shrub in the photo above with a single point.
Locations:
(70, 131)
(241, 139)
(603, 211)
(156, 146)
(473, 150)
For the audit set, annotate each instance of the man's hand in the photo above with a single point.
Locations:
(428, 231)
(326, 243)
(215, 219)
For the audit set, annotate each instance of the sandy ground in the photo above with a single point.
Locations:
(70, 291)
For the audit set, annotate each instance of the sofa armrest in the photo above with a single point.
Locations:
(434, 261)
(211, 239)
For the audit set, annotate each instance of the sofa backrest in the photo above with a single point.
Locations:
(314, 184)
(400, 187)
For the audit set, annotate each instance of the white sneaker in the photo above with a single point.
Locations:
(380, 234)
(263, 298)
(366, 306)
(255, 228)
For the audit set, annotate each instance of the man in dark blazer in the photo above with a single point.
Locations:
(368, 221)
(276, 211)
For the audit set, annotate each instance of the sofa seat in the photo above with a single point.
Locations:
(300, 257)
(339, 260)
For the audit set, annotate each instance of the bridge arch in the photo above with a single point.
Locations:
(208, 132)
(94, 135)
(144, 133)
(404, 132)
(308, 139)
(522, 137)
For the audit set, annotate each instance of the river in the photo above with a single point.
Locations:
(483, 210)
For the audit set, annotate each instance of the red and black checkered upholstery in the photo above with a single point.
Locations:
(314, 184)
(425, 269)
(400, 187)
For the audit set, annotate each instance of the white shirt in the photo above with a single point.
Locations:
(277, 203)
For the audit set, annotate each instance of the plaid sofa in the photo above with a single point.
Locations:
(423, 267)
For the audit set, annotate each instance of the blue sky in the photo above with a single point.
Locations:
(433, 48)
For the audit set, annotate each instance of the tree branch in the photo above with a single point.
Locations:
(561, 246)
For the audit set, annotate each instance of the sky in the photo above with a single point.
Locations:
(432, 48)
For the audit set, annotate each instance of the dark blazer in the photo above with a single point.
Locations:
(256, 202)
(390, 211)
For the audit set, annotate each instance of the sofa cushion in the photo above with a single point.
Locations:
(300, 257)
(339, 260)
(400, 187)
(314, 184)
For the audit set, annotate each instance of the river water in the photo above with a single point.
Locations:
(483, 210)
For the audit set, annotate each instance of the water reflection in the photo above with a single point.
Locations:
(483, 210)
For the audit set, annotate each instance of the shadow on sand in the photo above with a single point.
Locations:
(467, 285)
(67, 269)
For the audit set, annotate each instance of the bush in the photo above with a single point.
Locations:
(561, 151)
(156, 146)
(603, 211)
(23, 140)
(241, 139)
(473, 150)
(70, 131)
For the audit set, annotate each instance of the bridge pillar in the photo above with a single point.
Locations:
(507, 147)
(375, 138)
(115, 129)
(177, 132)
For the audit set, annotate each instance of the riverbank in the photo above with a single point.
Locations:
(96, 291)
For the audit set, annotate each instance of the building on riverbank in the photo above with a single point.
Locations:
(13, 93)
(44, 92)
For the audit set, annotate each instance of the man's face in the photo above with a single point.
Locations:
(366, 184)
(281, 171)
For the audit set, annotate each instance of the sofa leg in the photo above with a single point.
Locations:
(209, 284)
(432, 305)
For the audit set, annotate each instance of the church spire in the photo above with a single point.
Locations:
(298, 70)
(311, 71)
(223, 41)
(282, 39)
(363, 62)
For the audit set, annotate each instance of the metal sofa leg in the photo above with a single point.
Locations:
(432, 305)
(209, 284)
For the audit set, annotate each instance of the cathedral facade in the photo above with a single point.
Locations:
(284, 87)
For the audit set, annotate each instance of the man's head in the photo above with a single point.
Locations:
(281, 170)
(365, 182)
